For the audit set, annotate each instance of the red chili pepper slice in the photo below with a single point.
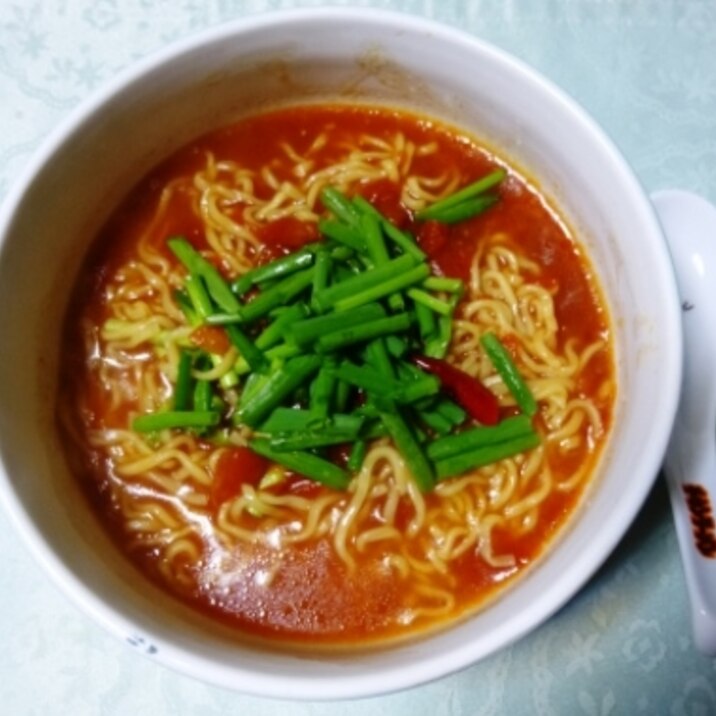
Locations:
(472, 395)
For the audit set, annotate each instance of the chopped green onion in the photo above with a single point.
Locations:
(183, 385)
(434, 304)
(505, 366)
(443, 283)
(284, 420)
(321, 276)
(280, 385)
(254, 383)
(304, 463)
(323, 345)
(203, 393)
(469, 192)
(397, 346)
(411, 392)
(341, 429)
(187, 308)
(437, 346)
(198, 296)
(473, 438)
(276, 331)
(275, 475)
(247, 348)
(342, 395)
(451, 411)
(404, 241)
(386, 288)
(197, 265)
(463, 211)
(224, 319)
(426, 321)
(462, 462)
(309, 329)
(401, 239)
(310, 440)
(280, 268)
(377, 276)
(321, 391)
(377, 355)
(280, 352)
(340, 206)
(365, 377)
(278, 295)
(409, 447)
(343, 233)
(357, 455)
(398, 323)
(435, 421)
(152, 422)
(371, 230)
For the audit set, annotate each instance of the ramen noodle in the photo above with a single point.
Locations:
(252, 541)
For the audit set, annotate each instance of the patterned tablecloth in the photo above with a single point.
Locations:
(646, 70)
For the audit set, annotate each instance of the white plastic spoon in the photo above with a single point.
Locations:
(689, 223)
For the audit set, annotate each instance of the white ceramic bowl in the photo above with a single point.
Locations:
(87, 166)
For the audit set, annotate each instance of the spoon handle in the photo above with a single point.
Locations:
(689, 223)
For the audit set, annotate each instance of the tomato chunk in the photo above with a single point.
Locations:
(236, 467)
(284, 236)
(384, 195)
(432, 237)
(211, 339)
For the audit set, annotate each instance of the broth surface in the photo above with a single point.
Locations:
(180, 505)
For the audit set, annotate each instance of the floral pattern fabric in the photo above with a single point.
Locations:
(646, 70)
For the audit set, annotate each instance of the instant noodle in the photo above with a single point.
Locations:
(219, 394)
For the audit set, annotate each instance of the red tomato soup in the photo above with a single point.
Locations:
(335, 375)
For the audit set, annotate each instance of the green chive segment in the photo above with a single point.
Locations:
(509, 373)
(465, 203)
(325, 337)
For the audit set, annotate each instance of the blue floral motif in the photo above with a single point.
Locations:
(593, 707)
(83, 73)
(644, 645)
(583, 654)
(29, 41)
(698, 698)
(103, 14)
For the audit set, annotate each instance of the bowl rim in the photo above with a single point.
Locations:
(240, 676)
